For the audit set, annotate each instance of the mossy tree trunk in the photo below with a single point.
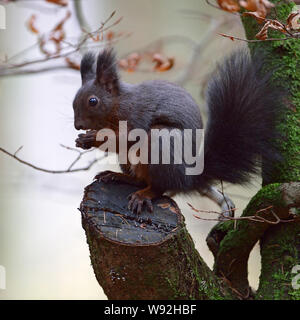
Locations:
(155, 258)
(280, 244)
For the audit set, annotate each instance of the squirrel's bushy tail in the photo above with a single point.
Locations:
(243, 112)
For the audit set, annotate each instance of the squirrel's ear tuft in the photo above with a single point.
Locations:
(87, 67)
(106, 74)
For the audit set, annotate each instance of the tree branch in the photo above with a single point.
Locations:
(232, 243)
(68, 170)
(67, 49)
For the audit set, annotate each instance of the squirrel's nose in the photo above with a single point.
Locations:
(78, 125)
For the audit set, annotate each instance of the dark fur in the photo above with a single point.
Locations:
(242, 113)
(87, 67)
(107, 75)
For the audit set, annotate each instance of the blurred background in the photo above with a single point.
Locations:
(42, 244)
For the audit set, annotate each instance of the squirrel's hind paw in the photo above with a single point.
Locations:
(228, 207)
(138, 200)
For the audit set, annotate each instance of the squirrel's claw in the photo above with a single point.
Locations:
(111, 176)
(228, 207)
(106, 176)
(137, 201)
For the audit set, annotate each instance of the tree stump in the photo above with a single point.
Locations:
(146, 256)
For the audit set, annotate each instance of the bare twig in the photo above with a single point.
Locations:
(63, 55)
(62, 66)
(18, 72)
(255, 218)
(68, 170)
(7, 68)
(296, 36)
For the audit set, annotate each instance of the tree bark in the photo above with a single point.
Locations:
(150, 256)
(231, 243)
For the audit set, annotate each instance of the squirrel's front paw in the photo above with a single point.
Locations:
(86, 140)
(137, 201)
(107, 176)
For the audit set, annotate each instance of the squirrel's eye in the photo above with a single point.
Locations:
(93, 101)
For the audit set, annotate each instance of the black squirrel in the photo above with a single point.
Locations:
(243, 111)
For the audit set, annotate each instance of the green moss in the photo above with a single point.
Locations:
(278, 284)
(213, 291)
(270, 194)
(225, 226)
(177, 294)
(284, 58)
(280, 253)
(206, 288)
(294, 294)
(237, 233)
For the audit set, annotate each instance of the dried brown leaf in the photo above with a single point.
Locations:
(255, 15)
(62, 3)
(31, 25)
(270, 24)
(60, 25)
(260, 7)
(162, 63)
(110, 35)
(123, 64)
(229, 5)
(293, 20)
(131, 62)
(250, 5)
(72, 64)
(263, 33)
